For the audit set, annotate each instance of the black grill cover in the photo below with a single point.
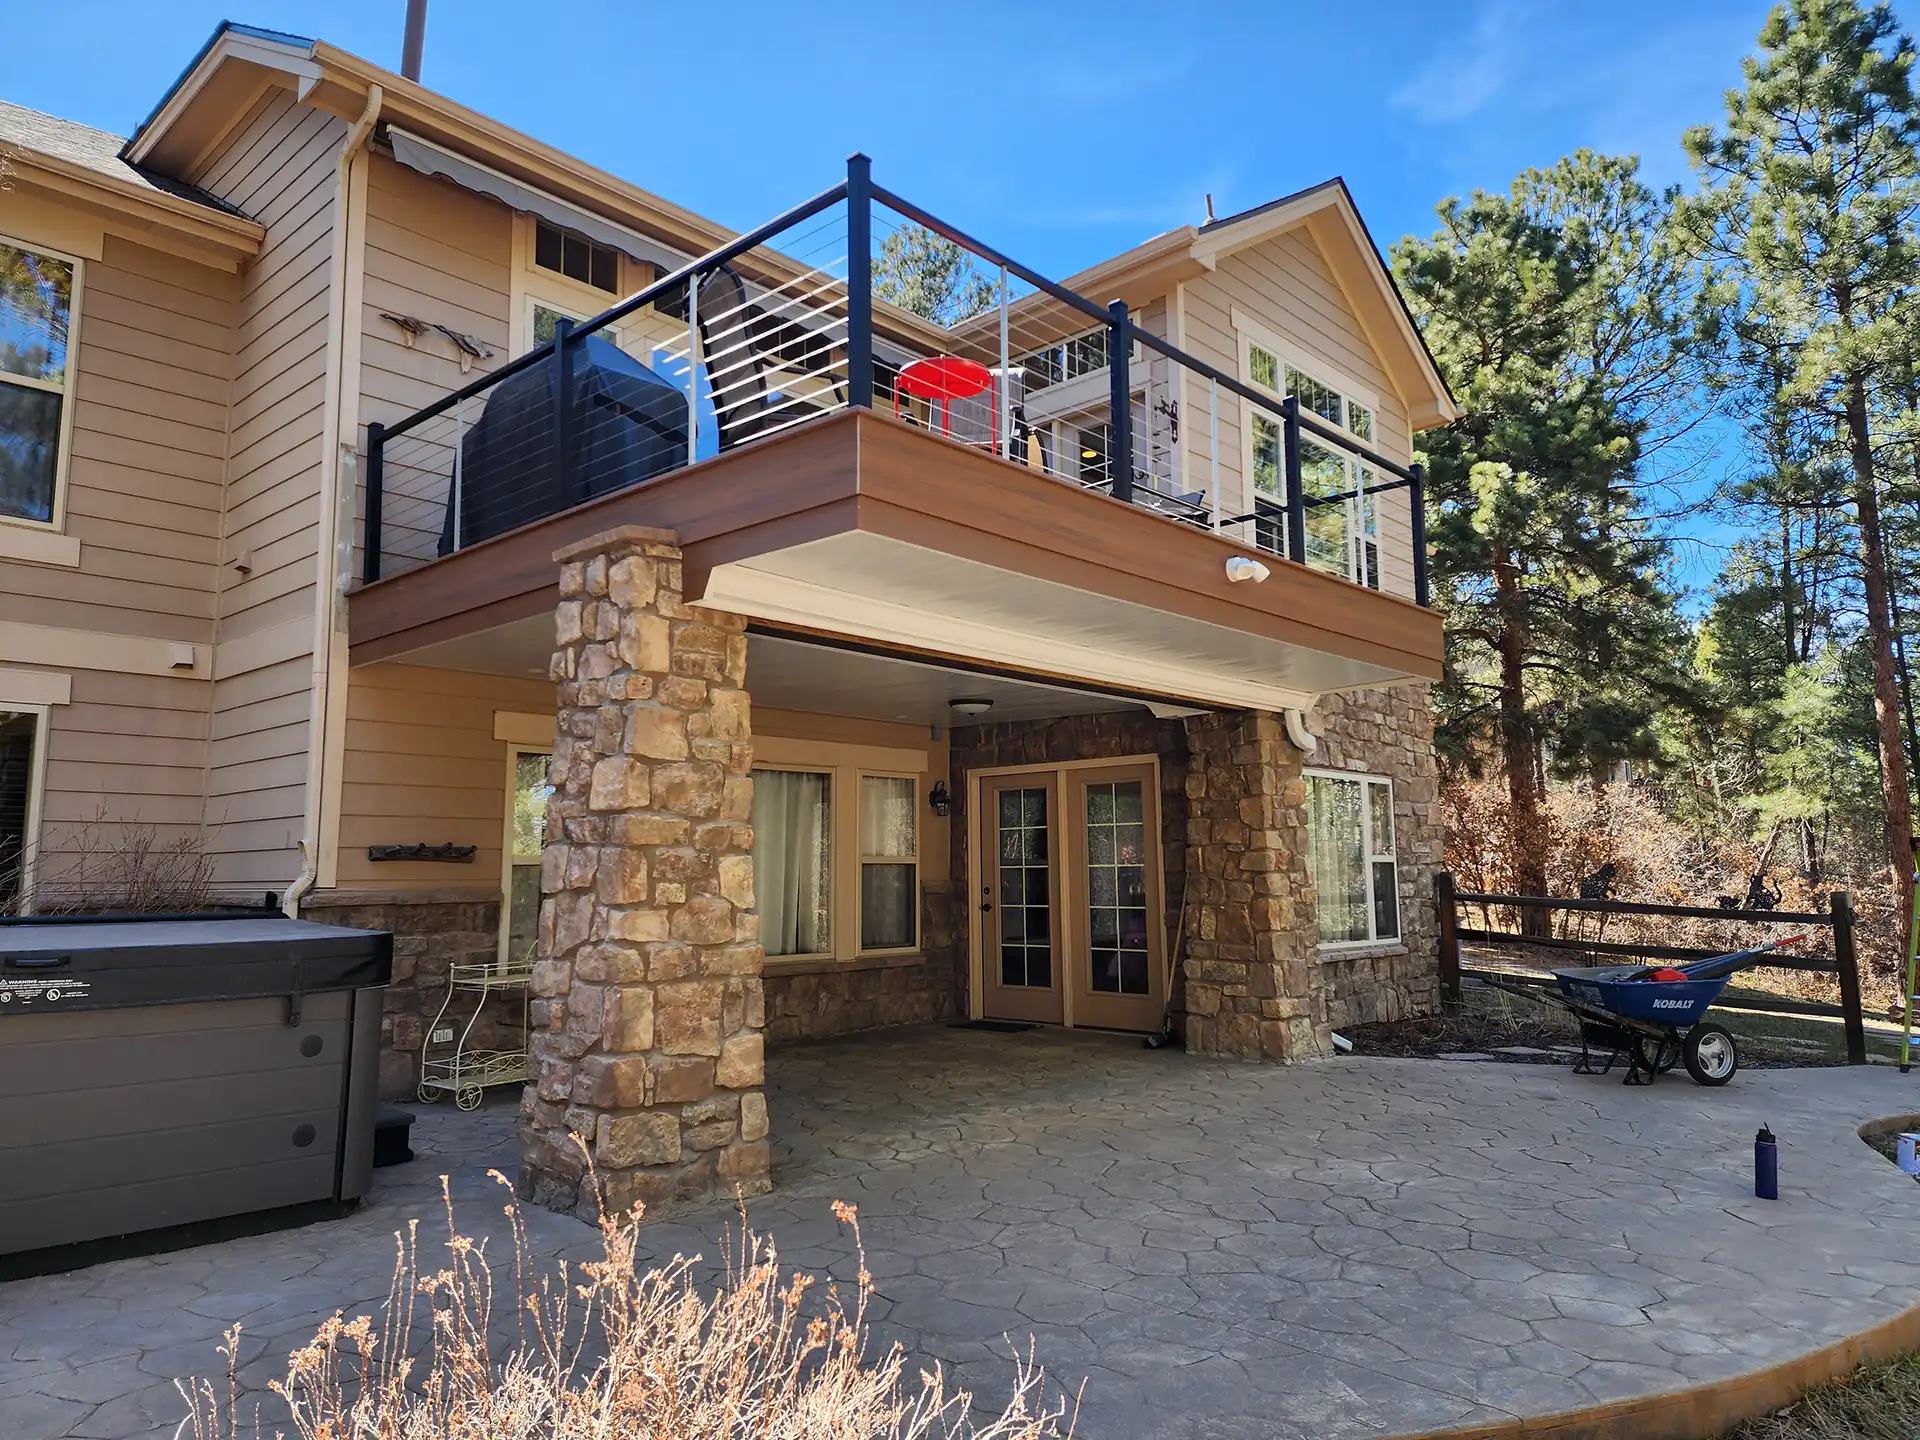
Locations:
(629, 425)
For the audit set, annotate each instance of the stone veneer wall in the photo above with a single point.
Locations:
(1389, 732)
(1259, 986)
(835, 997)
(648, 1008)
(1113, 736)
(433, 930)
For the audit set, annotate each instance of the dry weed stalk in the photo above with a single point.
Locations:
(609, 1351)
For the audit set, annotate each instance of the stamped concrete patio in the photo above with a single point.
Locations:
(1365, 1247)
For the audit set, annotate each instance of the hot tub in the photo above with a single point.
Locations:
(161, 1072)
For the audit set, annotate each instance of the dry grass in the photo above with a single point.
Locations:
(613, 1352)
(1880, 1402)
(101, 867)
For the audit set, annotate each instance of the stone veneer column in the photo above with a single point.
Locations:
(1253, 988)
(647, 1006)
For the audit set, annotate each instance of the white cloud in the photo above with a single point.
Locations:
(1466, 76)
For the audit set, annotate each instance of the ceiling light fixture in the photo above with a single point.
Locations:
(970, 706)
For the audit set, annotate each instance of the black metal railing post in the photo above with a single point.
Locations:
(860, 281)
(376, 496)
(562, 412)
(1120, 402)
(1296, 490)
(1417, 519)
(1846, 963)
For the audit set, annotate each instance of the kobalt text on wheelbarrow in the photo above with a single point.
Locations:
(1654, 1015)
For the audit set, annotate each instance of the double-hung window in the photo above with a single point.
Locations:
(836, 859)
(1350, 855)
(889, 862)
(529, 789)
(39, 297)
(1342, 519)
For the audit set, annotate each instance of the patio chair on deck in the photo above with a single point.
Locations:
(747, 348)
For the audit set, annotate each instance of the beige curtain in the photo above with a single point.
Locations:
(793, 860)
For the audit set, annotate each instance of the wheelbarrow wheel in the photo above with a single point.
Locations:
(1710, 1054)
(1656, 1057)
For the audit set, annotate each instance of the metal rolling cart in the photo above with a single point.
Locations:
(468, 1071)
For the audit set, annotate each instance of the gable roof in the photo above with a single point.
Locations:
(98, 151)
(80, 166)
(1328, 211)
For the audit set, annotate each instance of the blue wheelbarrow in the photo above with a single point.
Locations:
(1652, 1016)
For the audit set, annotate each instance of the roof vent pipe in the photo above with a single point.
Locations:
(415, 40)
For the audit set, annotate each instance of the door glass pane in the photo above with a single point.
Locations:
(793, 860)
(1026, 900)
(1117, 888)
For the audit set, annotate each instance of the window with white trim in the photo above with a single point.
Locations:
(529, 788)
(39, 301)
(22, 763)
(1065, 360)
(889, 862)
(1343, 530)
(1350, 855)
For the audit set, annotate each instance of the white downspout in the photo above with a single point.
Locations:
(1302, 738)
(326, 560)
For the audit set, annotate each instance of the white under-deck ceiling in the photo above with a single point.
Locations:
(785, 674)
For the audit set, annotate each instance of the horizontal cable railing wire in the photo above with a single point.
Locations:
(860, 298)
(498, 452)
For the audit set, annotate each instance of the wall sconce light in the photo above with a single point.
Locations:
(940, 799)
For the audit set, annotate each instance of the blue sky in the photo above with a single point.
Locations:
(1061, 132)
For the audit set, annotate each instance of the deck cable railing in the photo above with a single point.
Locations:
(777, 328)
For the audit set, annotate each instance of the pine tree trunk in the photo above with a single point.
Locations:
(1886, 699)
(1517, 750)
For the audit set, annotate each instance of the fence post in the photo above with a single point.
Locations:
(1417, 517)
(1448, 908)
(562, 412)
(1120, 403)
(1296, 490)
(860, 281)
(1847, 962)
(371, 537)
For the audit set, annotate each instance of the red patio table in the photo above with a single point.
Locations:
(946, 378)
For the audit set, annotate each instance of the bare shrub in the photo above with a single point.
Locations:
(606, 1349)
(108, 867)
(1659, 859)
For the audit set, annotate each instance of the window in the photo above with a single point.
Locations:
(1350, 855)
(1069, 360)
(793, 860)
(1343, 531)
(576, 257)
(19, 768)
(889, 863)
(526, 838)
(38, 295)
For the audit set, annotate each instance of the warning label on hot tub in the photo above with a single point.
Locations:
(28, 993)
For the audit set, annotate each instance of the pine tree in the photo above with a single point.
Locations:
(1812, 187)
(929, 275)
(1567, 329)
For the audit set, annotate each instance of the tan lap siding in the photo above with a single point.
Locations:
(1285, 285)
(153, 362)
(440, 254)
(422, 767)
(279, 166)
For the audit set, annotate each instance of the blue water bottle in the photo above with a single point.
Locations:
(1766, 1165)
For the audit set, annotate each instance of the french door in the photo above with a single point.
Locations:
(1070, 906)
